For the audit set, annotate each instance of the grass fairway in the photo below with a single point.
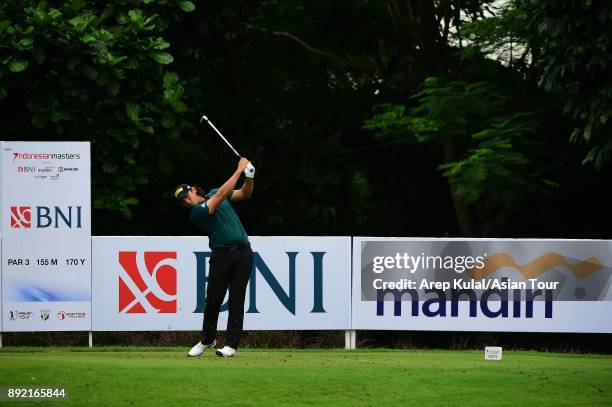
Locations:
(165, 376)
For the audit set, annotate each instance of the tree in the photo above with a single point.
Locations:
(96, 71)
(571, 45)
(489, 159)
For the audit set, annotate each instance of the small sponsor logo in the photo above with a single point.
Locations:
(15, 315)
(67, 169)
(44, 314)
(46, 168)
(22, 169)
(62, 315)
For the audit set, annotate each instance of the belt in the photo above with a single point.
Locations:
(230, 249)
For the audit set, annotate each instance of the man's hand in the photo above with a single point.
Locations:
(226, 189)
(249, 171)
(242, 164)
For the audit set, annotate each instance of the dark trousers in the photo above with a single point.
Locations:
(228, 270)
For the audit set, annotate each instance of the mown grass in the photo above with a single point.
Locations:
(165, 376)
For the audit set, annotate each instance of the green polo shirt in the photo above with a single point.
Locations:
(222, 227)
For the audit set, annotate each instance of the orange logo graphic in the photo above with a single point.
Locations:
(536, 267)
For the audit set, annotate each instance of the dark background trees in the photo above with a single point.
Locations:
(391, 118)
(363, 117)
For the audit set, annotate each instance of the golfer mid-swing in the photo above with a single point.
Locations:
(231, 261)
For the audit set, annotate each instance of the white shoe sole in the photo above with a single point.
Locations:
(223, 355)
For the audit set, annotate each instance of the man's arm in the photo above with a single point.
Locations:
(227, 188)
(245, 192)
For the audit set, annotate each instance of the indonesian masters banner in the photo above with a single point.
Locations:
(159, 283)
(46, 236)
(522, 285)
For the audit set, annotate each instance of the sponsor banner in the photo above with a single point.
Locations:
(46, 235)
(159, 283)
(522, 285)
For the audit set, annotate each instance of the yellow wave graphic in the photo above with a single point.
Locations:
(536, 267)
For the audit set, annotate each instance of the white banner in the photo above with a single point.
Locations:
(46, 236)
(158, 283)
(1, 259)
(513, 285)
(304, 283)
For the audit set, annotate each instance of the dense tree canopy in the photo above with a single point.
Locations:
(97, 71)
(394, 117)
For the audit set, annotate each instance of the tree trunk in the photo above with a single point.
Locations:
(465, 219)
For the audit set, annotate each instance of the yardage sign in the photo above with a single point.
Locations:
(46, 236)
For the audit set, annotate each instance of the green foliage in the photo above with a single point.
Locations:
(487, 146)
(186, 6)
(499, 164)
(503, 36)
(574, 53)
(291, 82)
(98, 71)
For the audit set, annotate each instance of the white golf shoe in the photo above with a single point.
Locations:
(199, 348)
(226, 352)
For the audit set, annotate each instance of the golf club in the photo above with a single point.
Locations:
(219, 133)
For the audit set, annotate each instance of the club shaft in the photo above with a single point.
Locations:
(221, 135)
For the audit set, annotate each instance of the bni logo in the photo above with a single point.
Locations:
(52, 217)
(21, 217)
(147, 283)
